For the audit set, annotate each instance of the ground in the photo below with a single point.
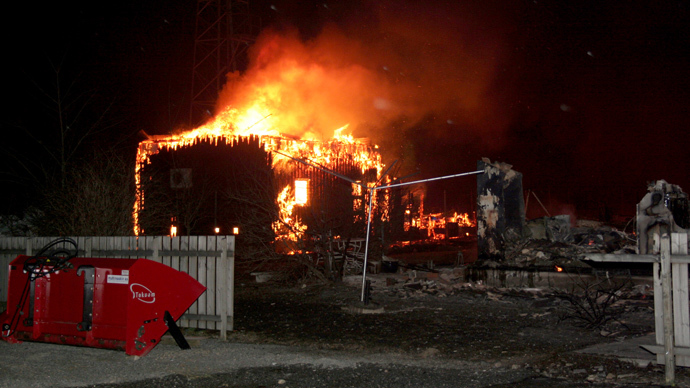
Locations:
(514, 328)
(413, 333)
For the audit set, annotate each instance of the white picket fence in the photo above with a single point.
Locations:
(671, 297)
(208, 259)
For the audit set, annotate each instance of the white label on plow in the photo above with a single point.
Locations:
(118, 279)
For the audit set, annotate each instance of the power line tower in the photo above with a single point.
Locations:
(224, 31)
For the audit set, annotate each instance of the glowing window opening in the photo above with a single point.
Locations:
(301, 191)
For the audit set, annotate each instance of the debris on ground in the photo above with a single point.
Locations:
(551, 242)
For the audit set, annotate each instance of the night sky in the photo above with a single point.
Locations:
(588, 99)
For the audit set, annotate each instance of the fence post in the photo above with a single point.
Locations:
(88, 252)
(223, 289)
(681, 307)
(156, 244)
(669, 344)
(231, 280)
(28, 246)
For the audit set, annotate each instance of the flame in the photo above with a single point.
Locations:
(463, 219)
(558, 269)
(288, 226)
(435, 221)
(345, 138)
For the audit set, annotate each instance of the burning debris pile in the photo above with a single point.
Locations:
(419, 225)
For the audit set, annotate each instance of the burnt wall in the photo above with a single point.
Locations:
(223, 183)
(500, 208)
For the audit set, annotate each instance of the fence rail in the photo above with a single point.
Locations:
(208, 259)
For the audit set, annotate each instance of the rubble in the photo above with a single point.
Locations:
(552, 228)
(505, 239)
(552, 243)
(448, 282)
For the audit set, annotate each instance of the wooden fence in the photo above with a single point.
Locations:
(671, 297)
(208, 259)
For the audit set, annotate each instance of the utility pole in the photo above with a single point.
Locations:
(224, 31)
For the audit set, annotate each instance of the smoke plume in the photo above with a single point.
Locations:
(379, 75)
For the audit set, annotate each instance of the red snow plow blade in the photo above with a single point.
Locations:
(125, 304)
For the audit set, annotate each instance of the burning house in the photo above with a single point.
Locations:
(272, 186)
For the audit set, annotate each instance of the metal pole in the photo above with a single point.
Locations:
(372, 192)
(431, 179)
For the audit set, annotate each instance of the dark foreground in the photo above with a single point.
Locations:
(458, 335)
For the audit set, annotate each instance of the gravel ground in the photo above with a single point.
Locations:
(218, 364)
(310, 337)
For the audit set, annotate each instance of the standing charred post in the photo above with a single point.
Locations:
(500, 208)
